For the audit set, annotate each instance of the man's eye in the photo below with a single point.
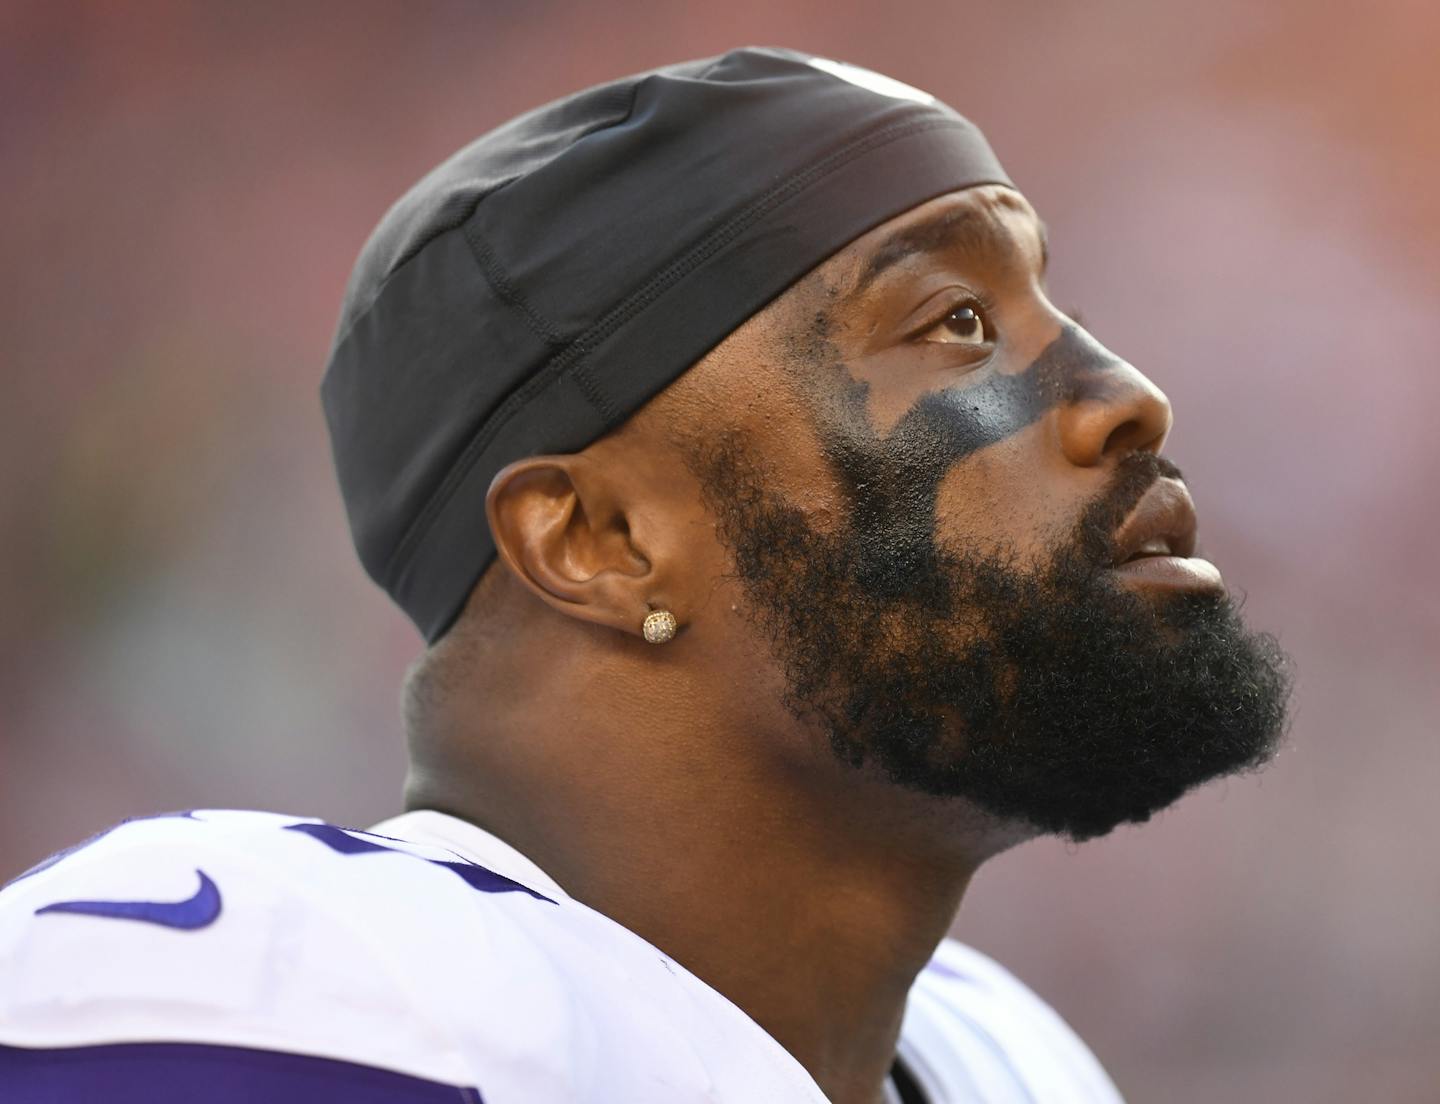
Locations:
(965, 325)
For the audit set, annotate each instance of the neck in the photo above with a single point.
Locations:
(810, 897)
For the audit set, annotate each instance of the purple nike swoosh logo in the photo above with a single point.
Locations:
(195, 912)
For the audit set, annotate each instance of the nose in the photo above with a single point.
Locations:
(1112, 410)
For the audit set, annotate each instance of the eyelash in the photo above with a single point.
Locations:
(984, 310)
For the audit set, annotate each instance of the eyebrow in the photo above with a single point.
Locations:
(965, 230)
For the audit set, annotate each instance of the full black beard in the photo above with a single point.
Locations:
(1055, 697)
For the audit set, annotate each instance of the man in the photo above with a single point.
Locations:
(783, 555)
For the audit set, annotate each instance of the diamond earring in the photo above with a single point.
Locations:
(659, 626)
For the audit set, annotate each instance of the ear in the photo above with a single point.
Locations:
(560, 524)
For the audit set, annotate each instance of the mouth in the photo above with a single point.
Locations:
(1155, 545)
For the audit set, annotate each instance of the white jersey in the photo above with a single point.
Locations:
(241, 956)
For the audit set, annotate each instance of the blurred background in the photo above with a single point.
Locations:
(1242, 200)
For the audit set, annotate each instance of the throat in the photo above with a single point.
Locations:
(820, 950)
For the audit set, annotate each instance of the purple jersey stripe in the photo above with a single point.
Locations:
(348, 842)
(169, 1073)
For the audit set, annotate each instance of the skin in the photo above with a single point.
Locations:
(810, 893)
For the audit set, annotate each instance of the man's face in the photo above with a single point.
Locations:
(959, 539)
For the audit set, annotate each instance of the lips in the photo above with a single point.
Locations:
(1162, 524)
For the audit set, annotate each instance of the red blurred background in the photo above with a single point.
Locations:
(1241, 198)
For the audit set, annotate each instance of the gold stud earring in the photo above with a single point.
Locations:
(659, 626)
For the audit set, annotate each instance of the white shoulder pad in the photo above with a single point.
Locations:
(973, 1031)
(213, 927)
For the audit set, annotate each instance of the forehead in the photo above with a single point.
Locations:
(992, 224)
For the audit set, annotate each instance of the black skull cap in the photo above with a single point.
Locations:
(537, 288)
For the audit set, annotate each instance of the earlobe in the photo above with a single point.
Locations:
(561, 527)
(659, 627)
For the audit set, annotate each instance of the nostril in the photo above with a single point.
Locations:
(1133, 435)
(1099, 430)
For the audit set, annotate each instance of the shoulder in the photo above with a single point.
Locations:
(248, 932)
(245, 929)
(974, 1031)
(258, 933)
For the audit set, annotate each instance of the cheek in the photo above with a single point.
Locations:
(1008, 498)
(895, 379)
(793, 467)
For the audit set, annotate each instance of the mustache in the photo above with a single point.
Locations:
(1135, 474)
